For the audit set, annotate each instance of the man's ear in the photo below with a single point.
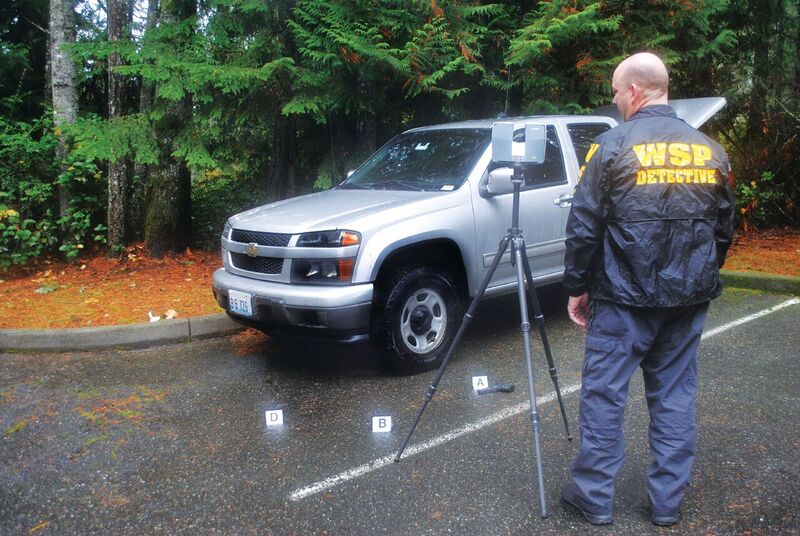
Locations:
(636, 93)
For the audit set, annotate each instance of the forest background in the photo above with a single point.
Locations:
(127, 121)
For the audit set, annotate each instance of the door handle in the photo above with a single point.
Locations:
(563, 200)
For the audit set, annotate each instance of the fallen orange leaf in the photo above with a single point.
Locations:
(37, 528)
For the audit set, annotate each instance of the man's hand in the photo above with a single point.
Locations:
(578, 309)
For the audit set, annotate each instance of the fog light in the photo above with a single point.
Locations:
(332, 271)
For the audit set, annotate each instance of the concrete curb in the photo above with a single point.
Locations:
(757, 281)
(118, 337)
(203, 327)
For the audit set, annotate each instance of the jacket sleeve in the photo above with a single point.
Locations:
(723, 230)
(585, 225)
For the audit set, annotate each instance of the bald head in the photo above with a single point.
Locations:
(640, 80)
(647, 71)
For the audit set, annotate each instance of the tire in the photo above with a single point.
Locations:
(417, 317)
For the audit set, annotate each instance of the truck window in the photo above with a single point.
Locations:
(583, 134)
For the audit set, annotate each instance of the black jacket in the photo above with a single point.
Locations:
(652, 216)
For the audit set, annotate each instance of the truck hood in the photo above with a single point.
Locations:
(358, 210)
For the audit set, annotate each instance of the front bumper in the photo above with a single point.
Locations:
(339, 312)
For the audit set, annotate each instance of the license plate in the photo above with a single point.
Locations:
(239, 303)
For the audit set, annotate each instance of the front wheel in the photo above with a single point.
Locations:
(417, 319)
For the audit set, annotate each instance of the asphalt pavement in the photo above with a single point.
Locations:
(174, 439)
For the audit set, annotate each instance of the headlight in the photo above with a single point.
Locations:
(330, 270)
(333, 271)
(226, 233)
(329, 239)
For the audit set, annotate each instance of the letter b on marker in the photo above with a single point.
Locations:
(382, 424)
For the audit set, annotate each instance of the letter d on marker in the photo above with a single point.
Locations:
(275, 417)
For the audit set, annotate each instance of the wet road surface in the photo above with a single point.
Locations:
(174, 439)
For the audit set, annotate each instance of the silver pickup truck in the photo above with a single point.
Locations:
(395, 252)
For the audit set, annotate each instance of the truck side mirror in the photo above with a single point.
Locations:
(350, 173)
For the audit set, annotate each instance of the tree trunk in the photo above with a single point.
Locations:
(795, 95)
(48, 75)
(117, 169)
(281, 176)
(137, 194)
(64, 83)
(366, 129)
(167, 222)
(168, 217)
(366, 126)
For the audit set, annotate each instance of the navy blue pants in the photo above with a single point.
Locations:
(663, 342)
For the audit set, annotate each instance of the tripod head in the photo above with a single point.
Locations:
(517, 150)
(523, 144)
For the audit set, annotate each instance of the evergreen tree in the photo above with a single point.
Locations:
(24, 83)
(167, 222)
(261, 100)
(117, 168)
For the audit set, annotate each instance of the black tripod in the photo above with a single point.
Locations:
(519, 259)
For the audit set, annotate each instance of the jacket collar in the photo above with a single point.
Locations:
(654, 110)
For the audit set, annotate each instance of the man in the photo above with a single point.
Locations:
(649, 228)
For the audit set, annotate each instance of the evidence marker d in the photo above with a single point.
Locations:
(274, 417)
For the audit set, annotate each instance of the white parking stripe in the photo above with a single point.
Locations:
(503, 414)
(420, 447)
(753, 316)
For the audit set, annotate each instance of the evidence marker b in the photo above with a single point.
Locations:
(382, 423)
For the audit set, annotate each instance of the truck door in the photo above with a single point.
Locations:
(541, 219)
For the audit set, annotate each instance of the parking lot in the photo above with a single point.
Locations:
(174, 439)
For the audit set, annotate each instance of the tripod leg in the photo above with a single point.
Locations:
(525, 326)
(539, 319)
(462, 328)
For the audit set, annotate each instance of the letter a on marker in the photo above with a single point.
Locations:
(479, 382)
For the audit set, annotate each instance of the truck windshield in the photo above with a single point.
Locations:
(424, 161)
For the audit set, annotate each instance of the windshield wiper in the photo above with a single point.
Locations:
(357, 186)
(405, 185)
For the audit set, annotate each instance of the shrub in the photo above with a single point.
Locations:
(29, 180)
(216, 196)
(86, 206)
(759, 202)
(27, 152)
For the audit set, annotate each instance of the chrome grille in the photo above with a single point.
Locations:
(262, 239)
(262, 265)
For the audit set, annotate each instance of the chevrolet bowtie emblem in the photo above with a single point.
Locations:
(251, 249)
